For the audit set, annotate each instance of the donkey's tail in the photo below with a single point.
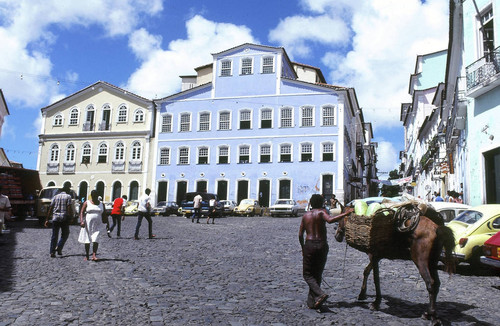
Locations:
(447, 238)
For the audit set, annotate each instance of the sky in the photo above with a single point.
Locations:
(51, 49)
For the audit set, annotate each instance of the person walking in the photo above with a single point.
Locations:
(144, 211)
(91, 217)
(117, 214)
(60, 209)
(315, 248)
(196, 208)
(212, 211)
(5, 208)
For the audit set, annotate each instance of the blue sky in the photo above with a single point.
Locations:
(52, 48)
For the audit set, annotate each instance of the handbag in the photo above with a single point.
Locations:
(104, 218)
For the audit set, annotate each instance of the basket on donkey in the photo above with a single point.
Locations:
(371, 234)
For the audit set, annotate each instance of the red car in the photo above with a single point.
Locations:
(491, 250)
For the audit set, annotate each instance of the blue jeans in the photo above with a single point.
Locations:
(196, 214)
(145, 215)
(117, 221)
(64, 227)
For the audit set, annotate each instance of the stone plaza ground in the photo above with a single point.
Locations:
(238, 271)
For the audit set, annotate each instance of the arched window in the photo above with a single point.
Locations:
(266, 118)
(86, 153)
(286, 117)
(70, 153)
(164, 156)
(203, 155)
(139, 115)
(122, 114)
(73, 117)
(204, 121)
(134, 190)
(223, 157)
(307, 116)
(328, 115)
(265, 153)
(245, 119)
(244, 154)
(306, 152)
(103, 153)
(183, 156)
(166, 123)
(58, 120)
(224, 120)
(285, 153)
(136, 151)
(185, 122)
(54, 153)
(328, 151)
(119, 151)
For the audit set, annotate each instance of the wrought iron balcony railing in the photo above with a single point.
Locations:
(483, 69)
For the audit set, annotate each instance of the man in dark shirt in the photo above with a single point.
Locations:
(315, 248)
(60, 209)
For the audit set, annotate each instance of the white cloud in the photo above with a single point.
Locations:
(26, 37)
(159, 72)
(294, 32)
(387, 156)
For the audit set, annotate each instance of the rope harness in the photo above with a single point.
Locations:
(404, 214)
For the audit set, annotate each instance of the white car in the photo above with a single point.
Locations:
(284, 207)
(448, 210)
(228, 206)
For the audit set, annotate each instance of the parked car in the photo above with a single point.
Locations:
(449, 210)
(187, 209)
(166, 208)
(249, 207)
(131, 208)
(284, 207)
(44, 198)
(371, 200)
(472, 228)
(491, 251)
(228, 206)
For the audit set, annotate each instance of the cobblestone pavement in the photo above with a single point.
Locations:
(229, 273)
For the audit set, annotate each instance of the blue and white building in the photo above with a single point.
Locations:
(254, 124)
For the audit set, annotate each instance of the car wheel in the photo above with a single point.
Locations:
(474, 260)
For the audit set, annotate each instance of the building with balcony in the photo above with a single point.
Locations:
(472, 101)
(100, 137)
(253, 124)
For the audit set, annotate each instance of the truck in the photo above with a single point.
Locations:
(21, 186)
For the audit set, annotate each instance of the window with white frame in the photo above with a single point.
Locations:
(306, 152)
(226, 67)
(245, 119)
(136, 151)
(486, 34)
(307, 116)
(265, 153)
(54, 153)
(223, 157)
(268, 65)
(225, 120)
(185, 122)
(203, 155)
(183, 155)
(70, 153)
(139, 115)
(328, 153)
(286, 117)
(102, 157)
(86, 153)
(244, 154)
(285, 153)
(246, 66)
(122, 114)
(164, 156)
(166, 123)
(328, 115)
(204, 121)
(73, 117)
(119, 151)
(58, 120)
(266, 118)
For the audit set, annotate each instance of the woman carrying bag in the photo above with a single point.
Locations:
(93, 211)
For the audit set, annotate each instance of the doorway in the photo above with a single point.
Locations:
(181, 191)
(162, 191)
(264, 191)
(285, 189)
(222, 189)
(492, 176)
(242, 190)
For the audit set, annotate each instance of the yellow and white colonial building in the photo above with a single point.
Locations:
(98, 138)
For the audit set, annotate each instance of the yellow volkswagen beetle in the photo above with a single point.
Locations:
(472, 228)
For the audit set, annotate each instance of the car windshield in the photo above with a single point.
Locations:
(247, 202)
(469, 217)
(162, 203)
(283, 202)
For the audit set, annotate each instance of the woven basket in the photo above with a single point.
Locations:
(371, 234)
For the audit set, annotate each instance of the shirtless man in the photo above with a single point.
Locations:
(315, 248)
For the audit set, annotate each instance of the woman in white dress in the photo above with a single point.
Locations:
(93, 210)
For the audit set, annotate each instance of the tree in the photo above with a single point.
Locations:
(391, 191)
